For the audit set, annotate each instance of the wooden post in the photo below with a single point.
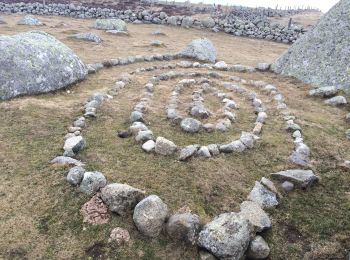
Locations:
(290, 23)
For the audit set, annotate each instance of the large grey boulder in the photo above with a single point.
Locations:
(110, 24)
(227, 236)
(35, 62)
(92, 182)
(150, 215)
(29, 20)
(200, 49)
(121, 198)
(301, 178)
(321, 57)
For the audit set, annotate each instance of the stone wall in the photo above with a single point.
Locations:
(259, 27)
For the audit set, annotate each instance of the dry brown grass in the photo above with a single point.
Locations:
(40, 212)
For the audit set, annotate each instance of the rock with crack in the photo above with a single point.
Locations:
(150, 215)
(227, 236)
(121, 198)
(94, 211)
(256, 215)
(262, 196)
(301, 178)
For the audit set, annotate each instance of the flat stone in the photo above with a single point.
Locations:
(66, 161)
(301, 178)
(149, 146)
(327, 91)
(137, 127)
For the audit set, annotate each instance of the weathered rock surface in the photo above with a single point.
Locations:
(183, 226)
(200, 49)
(121, 198)
(29, 20)
(190, 125)
(164, 146)
(111, 24)
(92, 182)
(258, 248)
(256, 215)
(87, 36)
(75, 175)
(150, 215)
(321, 56)
(227, 236)
(301, 178)
(262, 196)
(42, 64)
(94, 211)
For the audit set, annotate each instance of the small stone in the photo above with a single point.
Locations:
(164, 146)
(190, 125)
(204, 255)
(324, 92)
(66, 161)
(257, 128)
(123, 133)
(256, 215)
(301, 178)
(270, 185)
(287, 186)
(137, 127)
(121, 198)
(79, 123)
(150, 215)
(204, 152)
(92, 182)
(187, 152)
(223, 125)
(258, 248)
(236, 146)
(336, 101)
(120, 236)
(94, 211)
(263, 197)
(292, 127)
(136, 116)
(261, 117)
(73, 129)
(221, 65)
(183, 226)
(75, 175)
(74, 144)
(144, 136)
(213, 149)
(263, 66)
(248, 139)
(209, 127)
(149, 146)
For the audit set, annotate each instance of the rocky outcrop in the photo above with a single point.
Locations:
(322, 56)
(35, 62)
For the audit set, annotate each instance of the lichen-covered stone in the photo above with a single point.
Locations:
(35, 62)
(111, 24)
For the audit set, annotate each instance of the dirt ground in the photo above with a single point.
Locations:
(40, 216)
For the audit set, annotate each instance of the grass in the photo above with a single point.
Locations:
(40, 216)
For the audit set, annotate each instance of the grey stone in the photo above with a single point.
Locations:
(314, 58)
(183, 226)
(234, 147)
(213, 149)
(92, 182)
(110, 24)
(301, 178)
(136, 116)
(78, 124)
(137, 127)
(29, 20)
(204, 152)
(66, 161)
(336, 101)
(208, 22)
(149, 146)
(248, 139)
(221, 65)
(188, 152)
(144, 136)
(42, 64)
(258, 248)
(287, 186)
(200, 49)
(74, 144)
(263, 66)
(87, 36)
(121, 198)
(190, 125)
(187, 22)
(227, 236)
(150, 215)
(263, 197)
(256, 215)
(205, 255)
(118, 33)
(223, 125)
(165, 146)
(75, 175)
(327, 91)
